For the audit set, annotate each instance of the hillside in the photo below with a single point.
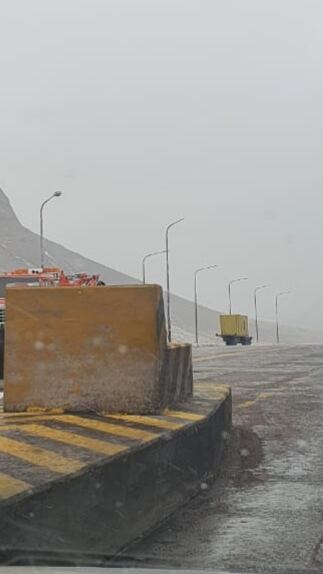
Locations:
(19, 247)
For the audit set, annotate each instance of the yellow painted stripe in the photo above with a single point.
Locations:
(6, 421)
(10, 486)
(259, 397)
(212, 396)
(247, 404)
(93, 424)
(212, 393)
(217, 356)
(150, 421)
(210, 387)
(265, 395)
(202, 359)
(39, 456)
(184, 415)
(100, 446)
(117, 430)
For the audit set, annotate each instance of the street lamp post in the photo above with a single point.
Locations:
(144, 263)
(169, 327)
(195, 298)
(42, 254)
(229, 290)
(277, 321)
(256, 309)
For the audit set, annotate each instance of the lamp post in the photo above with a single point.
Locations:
(229, 290)
(42, 254)
(169, 327)
(256, 309)
(277, 321)
(195, 298)
(144, 263)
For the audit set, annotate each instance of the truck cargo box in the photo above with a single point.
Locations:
(236, 325)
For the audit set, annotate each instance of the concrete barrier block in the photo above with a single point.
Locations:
(178, 373)
(85, 349)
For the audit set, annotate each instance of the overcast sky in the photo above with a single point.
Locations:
(143, 111)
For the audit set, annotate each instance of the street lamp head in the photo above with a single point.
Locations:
(239, 279)
(283, 293)
(262, 287)
(173, 224)
(57, 194)
(178, 221)
(204, 268)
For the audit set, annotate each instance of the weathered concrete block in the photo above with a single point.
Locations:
(85, 349)
(178, 373)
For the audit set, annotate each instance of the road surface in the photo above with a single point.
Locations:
(264, 513)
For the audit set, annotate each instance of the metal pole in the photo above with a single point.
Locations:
(144, 271)
(42, 236)
(277, 321)
(230, 302)
(277, 324)
(229, 290)
(42, 255)
(169, 327)
(195, 299)
(256, 309)
(144, 263)
(256, 316)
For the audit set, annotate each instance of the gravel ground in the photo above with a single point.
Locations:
(264, 512)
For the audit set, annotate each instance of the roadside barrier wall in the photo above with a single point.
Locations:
(100, 349)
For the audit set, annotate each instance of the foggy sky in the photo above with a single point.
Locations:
(144, 111)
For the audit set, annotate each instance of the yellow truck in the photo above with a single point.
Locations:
(234, 329)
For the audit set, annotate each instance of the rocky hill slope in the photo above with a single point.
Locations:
(19, 247)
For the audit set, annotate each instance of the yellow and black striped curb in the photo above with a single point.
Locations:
(38, 448)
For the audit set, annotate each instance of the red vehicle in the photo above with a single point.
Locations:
(47, 277)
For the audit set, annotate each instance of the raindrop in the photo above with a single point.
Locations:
(244, 452)
(225, 435)
(39, 345)
(97, 341)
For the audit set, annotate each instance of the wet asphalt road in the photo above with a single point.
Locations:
(264, 512)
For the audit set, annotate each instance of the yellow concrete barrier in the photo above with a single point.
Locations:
(178, 373)
(85, 349)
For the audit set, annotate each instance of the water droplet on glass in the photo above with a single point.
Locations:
(39, 345)
(97, 341)
(244, 452)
